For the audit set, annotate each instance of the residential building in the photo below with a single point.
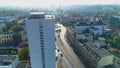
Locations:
(41, 39)
(8, 61)
(90, 52)
(10, 39)
(6, 19)
(97, 28)
(8, 50)
(6, 37)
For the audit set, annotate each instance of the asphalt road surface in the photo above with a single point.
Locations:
(69, 59)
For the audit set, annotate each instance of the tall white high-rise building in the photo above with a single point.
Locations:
(41, 39)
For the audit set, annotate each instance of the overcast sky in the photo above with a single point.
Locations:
(51, 3)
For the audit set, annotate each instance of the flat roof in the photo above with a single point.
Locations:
(24, 64)
(6, 58)
(36, 13)
(40, 15)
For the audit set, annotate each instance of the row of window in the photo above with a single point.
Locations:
(42, 45)
(8, 36)
(7, 40)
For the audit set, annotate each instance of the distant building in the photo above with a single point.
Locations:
(8, 61)
(85, 37)
(96, 28)
(90, 52)
(97, 57)
(41, 39)
(8, 50)
(6, 37)
(10, 39)
(2, 25)
(6, 19)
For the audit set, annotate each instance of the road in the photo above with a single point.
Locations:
(62, 62)
(71, 59)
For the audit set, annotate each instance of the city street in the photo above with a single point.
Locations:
(69, 57)
(62, 62)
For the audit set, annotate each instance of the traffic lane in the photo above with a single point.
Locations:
(73, 56)
(62, 61)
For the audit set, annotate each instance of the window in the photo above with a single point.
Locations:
(41, 37)
(41, 32)
(41, 25)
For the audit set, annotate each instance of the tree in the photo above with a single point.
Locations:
(115, 41)
(118, 13)
(16, 22)
(4, 29)
(24, 54)
(16, 37)
(17, 29)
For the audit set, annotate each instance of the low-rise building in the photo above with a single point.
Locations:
(8, 50)
(92, 55)
(6, 19)
(84, 37)
(93, 27)
(98, 57)
(6, 36)
(10, 39)
(7, 61)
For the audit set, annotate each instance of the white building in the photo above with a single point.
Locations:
(8, 61)
(94, 27)
(41, 39)
(6, 37)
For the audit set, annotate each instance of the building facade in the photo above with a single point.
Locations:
(6, 37)
(10, 39)
(41, 38)
(89, 53)
(97, 28)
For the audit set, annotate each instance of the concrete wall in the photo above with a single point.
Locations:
(33, 34)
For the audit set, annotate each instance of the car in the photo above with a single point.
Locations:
(56, 58)
(58, 50)
(61, 55)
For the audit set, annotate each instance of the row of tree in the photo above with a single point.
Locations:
(13, 25)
